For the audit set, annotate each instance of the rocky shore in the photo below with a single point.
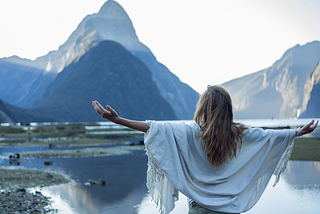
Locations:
(23, 201)
(17, 195)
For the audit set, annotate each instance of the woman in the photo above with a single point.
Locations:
(221, 166)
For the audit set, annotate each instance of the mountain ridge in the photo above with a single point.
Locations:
(277, 91)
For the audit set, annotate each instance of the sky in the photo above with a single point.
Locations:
(203, 42)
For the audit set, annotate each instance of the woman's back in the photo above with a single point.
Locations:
(233, 187)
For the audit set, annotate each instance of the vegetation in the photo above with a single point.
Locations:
(62, 135)
(15, 178)
(85, 152)
(306, 149)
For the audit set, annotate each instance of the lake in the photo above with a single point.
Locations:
(125, 192)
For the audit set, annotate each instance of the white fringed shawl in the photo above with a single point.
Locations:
(176, 162)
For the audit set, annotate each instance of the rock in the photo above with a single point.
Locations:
(101, 182)
(48, 163)
(14, 159)
(21, 190)
(22, 201)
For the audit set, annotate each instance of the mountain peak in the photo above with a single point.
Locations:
(112, 10)
(110, 23)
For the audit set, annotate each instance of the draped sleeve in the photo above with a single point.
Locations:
(176, 162)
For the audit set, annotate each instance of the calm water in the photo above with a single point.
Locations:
(297, 192)
(125, 192)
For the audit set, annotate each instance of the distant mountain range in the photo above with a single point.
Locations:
(283, 90)
(104, 60)
(26, 83)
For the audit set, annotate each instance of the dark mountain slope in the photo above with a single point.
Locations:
(311, 101)
(10, 113)
(112, 75)
(21, 85)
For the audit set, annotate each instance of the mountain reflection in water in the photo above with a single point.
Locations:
(303, 174)
(297, 192)
(125, 177)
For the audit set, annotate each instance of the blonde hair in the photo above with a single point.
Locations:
(220, 136)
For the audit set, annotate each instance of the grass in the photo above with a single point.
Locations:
(86, 152)
(17, 178)
(63, 143)
(306, 149)
(10, 134)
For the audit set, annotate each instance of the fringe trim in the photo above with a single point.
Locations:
(155, 176)
(283, 162)
(161, 190)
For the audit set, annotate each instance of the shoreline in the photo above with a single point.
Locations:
(16, 189)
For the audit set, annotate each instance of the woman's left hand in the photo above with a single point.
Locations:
(309, 127)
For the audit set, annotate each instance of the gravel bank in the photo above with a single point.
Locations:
(16, 195)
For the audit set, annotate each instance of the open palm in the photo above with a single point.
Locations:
(108, 113)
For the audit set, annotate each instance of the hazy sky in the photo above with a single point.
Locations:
(201, 41)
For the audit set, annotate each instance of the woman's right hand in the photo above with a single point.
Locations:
(108, 113)
(112, 115)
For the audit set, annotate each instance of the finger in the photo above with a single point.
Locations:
(94, 103)
(311, 123)
(308, 126)
(96, 107)
(99, 109)
(99, 106)
(316, 124)
(111, 110)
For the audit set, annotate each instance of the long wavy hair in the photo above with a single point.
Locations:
(221, 138)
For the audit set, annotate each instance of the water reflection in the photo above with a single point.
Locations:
(303, 174)
(125, 192)
(125, 177)
(297, 192)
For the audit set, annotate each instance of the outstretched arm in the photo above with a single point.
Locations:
(111, 114)
(309, 127)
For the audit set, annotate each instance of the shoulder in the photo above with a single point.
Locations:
(173, 125)
(257, 133)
